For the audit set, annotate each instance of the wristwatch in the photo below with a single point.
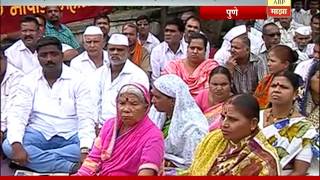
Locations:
(84, 150)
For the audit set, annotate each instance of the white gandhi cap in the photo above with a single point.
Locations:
(304, 30)
(118, 39)
(93, 30)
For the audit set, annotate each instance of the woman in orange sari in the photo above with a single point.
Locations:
(280, 58)
(195, 69)
(211, 100)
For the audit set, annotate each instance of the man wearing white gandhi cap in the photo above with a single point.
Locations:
(94, 56)
(301, 38)
(109, 79)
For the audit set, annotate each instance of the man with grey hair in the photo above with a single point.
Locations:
(301, 38)
(245, 67)
(94, 56)
(108, 80)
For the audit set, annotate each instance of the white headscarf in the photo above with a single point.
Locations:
(188, 124)
(223, 54)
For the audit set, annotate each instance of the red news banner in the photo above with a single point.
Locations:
(243, 12)
(233, 12)
(10, 16)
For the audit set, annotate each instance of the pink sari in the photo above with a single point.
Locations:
(139, 148)
(198, 79)
(212, 113)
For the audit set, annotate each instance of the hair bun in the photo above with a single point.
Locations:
(295, 56)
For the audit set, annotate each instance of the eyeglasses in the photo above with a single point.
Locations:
(273, 34)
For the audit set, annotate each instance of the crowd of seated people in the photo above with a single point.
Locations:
(130, 105)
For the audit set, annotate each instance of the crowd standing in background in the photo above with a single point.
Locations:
(129, 104)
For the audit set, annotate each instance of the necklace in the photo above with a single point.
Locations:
(271, 118)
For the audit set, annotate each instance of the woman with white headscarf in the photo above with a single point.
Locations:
(176, 113)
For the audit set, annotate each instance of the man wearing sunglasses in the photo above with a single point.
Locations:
(271, 36)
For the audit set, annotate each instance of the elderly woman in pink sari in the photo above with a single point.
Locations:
(129, 144)
(195, 69)
(212, 99)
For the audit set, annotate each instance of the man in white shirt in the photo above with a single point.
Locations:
(298, 13)
(169, 50)
(313, 10)
(22, 54)
(315, 31)
(192, 24)
(10, 78)
(145, 37)
(108, 80)
(302, 37)
(287, 27)
(51, 115)
(94, 56)
(303, 68)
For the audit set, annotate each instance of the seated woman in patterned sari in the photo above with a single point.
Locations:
(194, 69)
(280, 58)
(309, 106)
(286, 129)
(239, 148)
(211, 100)
(176, 113)
(129, 144)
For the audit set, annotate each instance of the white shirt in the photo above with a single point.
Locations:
(302, 68)
(21, 57)
(310, 49)
(9, 86)
(83, 64)
(256, 40)
(222, 55)
(299, 17)
(151, 42)
(303, 56)
(307, 17)
(161, 55)
(287, 35)
(185, 45)
(63, 110)
(104, 91)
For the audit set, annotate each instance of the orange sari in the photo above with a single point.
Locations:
(262, 91)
